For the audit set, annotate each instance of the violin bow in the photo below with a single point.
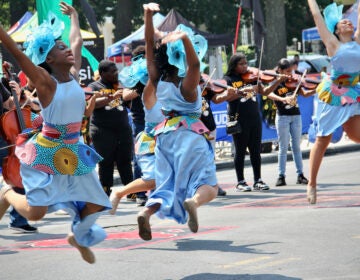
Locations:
(208, 80)
(300, 82)
(294, 95)
(28, 100)
(260, 60)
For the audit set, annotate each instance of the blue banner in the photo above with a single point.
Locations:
(269, 132)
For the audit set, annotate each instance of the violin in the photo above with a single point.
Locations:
(207, 84)
(253, 74)
(308, 83)
(219, 86)
(13, 123)
(115, 103)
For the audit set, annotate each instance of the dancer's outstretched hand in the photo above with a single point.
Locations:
(66, 9)
(173, 36)
(151, 7)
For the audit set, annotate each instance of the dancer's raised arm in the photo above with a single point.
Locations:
(75, 37)
(153, 72)
(329, 39)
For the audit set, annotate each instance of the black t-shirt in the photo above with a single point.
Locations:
(4, 96)
(282, 108)
(246, 108)
(207, 116)
(105, 116)
(137, 107)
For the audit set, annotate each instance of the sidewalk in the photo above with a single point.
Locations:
(224, 159)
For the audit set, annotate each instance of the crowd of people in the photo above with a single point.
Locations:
(168, 153)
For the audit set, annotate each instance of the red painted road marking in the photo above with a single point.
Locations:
(324, 200)
(116, 240)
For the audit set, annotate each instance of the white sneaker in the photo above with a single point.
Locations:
(243, 187)
(61, 212)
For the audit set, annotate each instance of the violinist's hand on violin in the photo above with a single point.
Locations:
(232, 93)
(15, 87)
(154, 7)
(291, 100)
(117, 94)
(97, 94)
(282, 77)
(249, 89)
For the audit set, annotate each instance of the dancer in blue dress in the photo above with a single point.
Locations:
(184, 160)
(144, 149)
(57, 168)
(337, 103)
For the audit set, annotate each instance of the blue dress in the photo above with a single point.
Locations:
(338, 93)
(145, 142)
(69, 185)
(184, 158)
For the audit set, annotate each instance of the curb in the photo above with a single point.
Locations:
(272, 157)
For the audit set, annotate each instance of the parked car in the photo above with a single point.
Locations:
(315, 64)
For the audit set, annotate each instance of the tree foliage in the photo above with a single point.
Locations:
(216, 16)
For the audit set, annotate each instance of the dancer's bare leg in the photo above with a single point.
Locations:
(138, 185)
(144, 221)
(90, 208)
(352, 128)
(204, 194)
(316, 155)
(19, 202)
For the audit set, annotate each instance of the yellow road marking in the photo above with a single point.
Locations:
(245, 262)
(278, 262)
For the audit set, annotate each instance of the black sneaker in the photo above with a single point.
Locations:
(24, 229)
(141, 201)
(280, 181)
(242, 186)
(260, 186)
(302, 180)
(221, 192)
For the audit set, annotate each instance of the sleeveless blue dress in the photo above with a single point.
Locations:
(338, 94)
(184, 158)
(145, 142)
(68, 190)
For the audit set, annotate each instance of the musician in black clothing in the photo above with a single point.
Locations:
(207, 116)
(110, 130)
(248, 114)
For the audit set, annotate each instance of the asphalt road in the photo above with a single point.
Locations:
(273, 235)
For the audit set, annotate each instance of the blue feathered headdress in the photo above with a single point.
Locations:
(130, 75)
(176, 51)
(42, 39)
(332, 15)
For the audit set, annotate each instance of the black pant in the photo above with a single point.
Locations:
(250, 138)
(115, 146)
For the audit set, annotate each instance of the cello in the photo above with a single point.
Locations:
(13, 123)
